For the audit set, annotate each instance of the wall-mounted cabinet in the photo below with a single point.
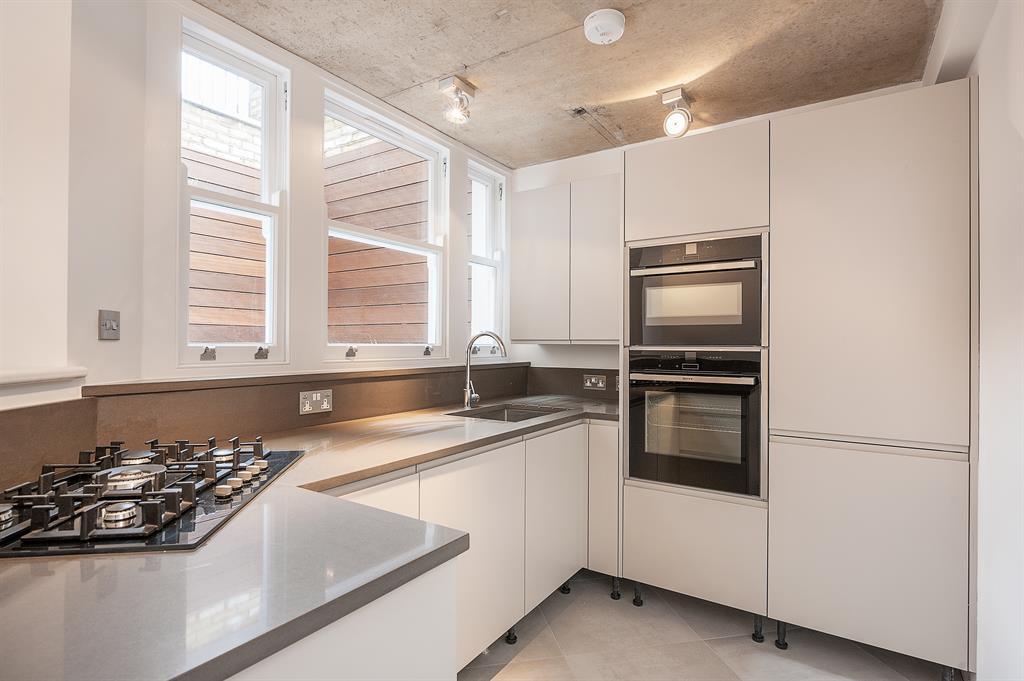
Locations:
(871, 546)
(566, 257)
(870, 269)
(700, 183)
(539, 262)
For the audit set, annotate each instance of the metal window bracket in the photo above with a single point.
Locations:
(476, 350)
(351, 352)
(209, 354)
(426, 351)
(262, 353)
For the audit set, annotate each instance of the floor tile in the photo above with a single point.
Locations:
(811, 656)
(674, 662)
(550, 669)
(535, 641)
(587, 620)
(711, 620)
(911, 668)
(585, 575)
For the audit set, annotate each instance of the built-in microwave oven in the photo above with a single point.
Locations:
(696, 419)
(700, 293)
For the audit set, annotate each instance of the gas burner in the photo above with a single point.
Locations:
(222, 455)
(120, 514)
(136, 458)
(133, 477)
(6, 515)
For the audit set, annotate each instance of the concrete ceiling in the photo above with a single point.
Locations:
(546, 93)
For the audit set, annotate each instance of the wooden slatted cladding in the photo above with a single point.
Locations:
(219, 174)
(377, 294)
(227, 277)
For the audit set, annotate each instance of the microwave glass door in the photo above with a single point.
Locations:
(714, 308)
(697, 435)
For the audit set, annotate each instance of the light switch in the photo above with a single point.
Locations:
(109, 325)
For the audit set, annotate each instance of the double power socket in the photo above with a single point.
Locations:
(315, 401)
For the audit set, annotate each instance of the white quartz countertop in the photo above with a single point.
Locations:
(290, 562)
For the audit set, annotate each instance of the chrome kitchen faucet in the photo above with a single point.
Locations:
(469, 396)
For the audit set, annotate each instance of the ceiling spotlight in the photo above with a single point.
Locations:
(679, 118)
(604, 26)
(460, 94)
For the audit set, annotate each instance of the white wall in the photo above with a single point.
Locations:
(999, 66)
(35, 65)
(607, 162)
(108, 71)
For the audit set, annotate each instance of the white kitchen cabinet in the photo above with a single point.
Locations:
(483, 495)
(556, 510)
(699, 183)
(871, 545)
(714, 549)
(539, 261)
(400, 496)
(595, 260)
(603, 499)
(870, 269)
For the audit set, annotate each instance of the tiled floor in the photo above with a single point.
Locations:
(586, 636)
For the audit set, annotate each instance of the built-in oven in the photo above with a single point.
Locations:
(695, 419)
(698, 293)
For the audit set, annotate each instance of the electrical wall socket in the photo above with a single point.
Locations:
(315, 401)
(595, 382)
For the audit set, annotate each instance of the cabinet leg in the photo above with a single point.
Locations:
(948, 674)
(616, 594)
(565, 588)
(638, 596)
(758, 634)
(780, 636)
(510, 637)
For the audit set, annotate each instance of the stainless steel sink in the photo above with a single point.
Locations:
(510, 413)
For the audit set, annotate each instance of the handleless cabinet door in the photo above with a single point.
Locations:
(556, 510)
(603, 499)
(485, 496)
(400, 496)
(870, 269)
(700, 183)
(595, 260)
(871, 546)
(539, 262)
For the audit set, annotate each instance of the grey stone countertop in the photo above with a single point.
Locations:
(286, 565)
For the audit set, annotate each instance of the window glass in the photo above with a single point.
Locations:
(485, 312)
(221, 128)
(227, 277)
(377, 293)
(484, 293)
(480, 218)
(374, 184)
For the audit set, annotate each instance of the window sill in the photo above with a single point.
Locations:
(42, 376)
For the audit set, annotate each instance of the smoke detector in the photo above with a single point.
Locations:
(604, 26)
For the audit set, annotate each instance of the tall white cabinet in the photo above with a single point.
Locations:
(870, 269)
(870, 336)
(566, 253)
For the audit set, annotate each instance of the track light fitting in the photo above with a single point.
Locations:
(460, 94)
(679, 118)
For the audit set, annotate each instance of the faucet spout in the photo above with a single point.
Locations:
(469, 396)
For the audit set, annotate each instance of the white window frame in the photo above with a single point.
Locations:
(271, 205)
(435, 247)
(495, 237)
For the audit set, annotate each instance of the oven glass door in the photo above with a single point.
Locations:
(704, 435)
(713, 308)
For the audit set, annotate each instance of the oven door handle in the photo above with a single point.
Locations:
(697, 267)
(674, 378)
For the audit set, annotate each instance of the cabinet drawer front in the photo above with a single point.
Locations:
(704, 183)
(871, 546)
(715, 550)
